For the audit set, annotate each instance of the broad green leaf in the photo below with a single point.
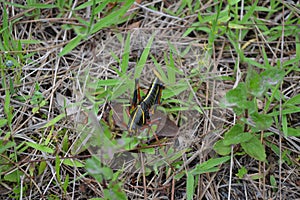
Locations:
(13, 176)
(221, 148)
(55, 120)
(190, 186)
(236, 135)
(255, 149)
(237, 97)
(97, 170)
(40, 147)
(210, 165)
(261, 121)
(254, 83)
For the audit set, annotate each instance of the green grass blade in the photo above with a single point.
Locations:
(190, 186)
(125, 57)
(141, 63)
(71, 45)
(112, 18)
(40, 147)
(54, 120)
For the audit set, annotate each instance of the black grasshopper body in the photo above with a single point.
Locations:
(153, 95)
(141, 110)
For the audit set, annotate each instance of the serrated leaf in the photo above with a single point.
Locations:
(40, 147)
(255, 149)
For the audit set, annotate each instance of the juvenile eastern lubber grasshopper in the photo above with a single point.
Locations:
(141, 108)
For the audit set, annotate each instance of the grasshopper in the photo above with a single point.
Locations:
(140, 115)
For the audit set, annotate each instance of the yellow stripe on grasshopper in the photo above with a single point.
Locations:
(135, 119)
(149, 93)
